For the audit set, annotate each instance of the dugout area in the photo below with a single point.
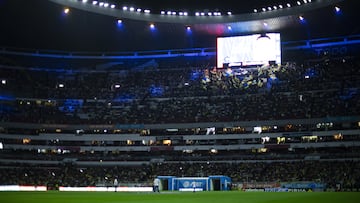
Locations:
(211, 183)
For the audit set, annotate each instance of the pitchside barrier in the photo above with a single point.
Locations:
(211, 183)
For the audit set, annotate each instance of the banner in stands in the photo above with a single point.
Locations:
(262, 185)
(303, 185)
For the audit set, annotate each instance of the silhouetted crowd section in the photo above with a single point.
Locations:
(332, 173)
(315, 89)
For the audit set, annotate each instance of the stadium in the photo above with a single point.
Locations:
(191, 101)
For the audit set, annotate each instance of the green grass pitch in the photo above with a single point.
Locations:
(180, 197)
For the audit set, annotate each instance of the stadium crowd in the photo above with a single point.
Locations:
(317, 89)
(332, 173)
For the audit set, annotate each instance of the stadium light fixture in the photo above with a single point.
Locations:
(66, 10)
(119, 23)
(337, 9)
(302, 19)
(94, 2)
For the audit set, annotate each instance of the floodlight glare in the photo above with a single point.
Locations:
(337, 9)
(66, 10)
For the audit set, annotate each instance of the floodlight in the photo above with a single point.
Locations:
(66, 10)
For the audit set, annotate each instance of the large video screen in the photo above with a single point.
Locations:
(256, 49)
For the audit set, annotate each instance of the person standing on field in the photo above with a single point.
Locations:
(116, 183)
(156, 185)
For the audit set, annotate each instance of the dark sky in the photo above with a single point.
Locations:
(40, 24)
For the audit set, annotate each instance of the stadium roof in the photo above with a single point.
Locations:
(89, 27)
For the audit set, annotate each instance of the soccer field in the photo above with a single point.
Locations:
(179, 197)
